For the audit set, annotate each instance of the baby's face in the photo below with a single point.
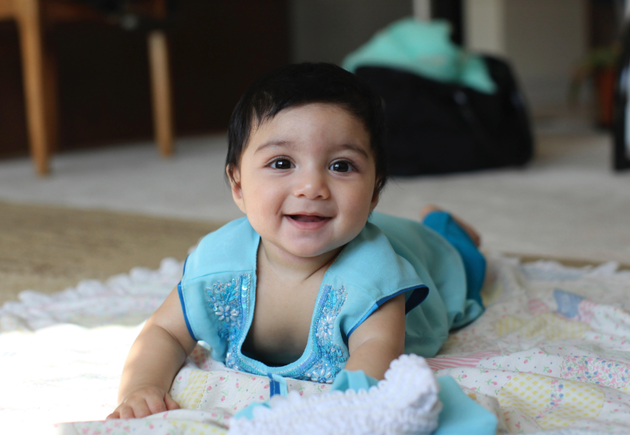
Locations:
(306, 180)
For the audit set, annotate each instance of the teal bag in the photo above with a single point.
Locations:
(423, 48)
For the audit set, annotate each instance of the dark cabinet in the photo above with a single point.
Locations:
(217, 47)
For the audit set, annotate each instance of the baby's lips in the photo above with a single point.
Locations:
(307, 218)
(303, 217)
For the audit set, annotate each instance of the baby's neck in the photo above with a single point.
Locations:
(296, 269)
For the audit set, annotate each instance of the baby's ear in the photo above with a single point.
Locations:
(234, 175)
(375, 199)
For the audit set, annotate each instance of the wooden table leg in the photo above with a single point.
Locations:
(32, 47)
(161, 91)
(51, 98)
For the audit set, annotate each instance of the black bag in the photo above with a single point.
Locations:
(434, 127)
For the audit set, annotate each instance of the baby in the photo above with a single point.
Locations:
(311, 282)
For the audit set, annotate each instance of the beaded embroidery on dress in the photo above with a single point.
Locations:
(332, 357)
(230, 303)
(227, 301)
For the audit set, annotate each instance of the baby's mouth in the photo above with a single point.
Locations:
(307, 218)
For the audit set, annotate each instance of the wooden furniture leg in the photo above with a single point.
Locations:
(161, 91)
(40, 75)
(51, 98)
(33, 60)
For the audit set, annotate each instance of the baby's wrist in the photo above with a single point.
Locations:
(143, 389)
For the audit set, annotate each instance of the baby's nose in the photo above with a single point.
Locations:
(312, 185)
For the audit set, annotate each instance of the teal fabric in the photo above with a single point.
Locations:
(440, 267)
(474, 261)
(423, 48)
(390, 256)
(365, 274)
(353, 380)
(283, 388)
(460, 414)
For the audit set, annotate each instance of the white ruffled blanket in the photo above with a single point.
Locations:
(550, 355)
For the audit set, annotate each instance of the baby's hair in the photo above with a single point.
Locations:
(306, 83)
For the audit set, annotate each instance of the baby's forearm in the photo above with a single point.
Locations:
(153, 360)
(373, 357)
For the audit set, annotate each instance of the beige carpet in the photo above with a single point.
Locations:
(49, 249)
(567, 203)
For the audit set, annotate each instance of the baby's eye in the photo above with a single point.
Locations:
(341, 167)
(282, 164)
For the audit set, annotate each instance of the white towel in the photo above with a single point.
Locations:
(406, 402)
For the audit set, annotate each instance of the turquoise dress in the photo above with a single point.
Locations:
(390, 256)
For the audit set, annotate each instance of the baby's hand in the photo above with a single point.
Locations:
(143, 402)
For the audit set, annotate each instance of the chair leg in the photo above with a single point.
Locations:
(161, 91)
(51, 98)
(32, 47)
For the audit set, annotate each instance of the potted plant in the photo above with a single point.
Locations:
(600, 67)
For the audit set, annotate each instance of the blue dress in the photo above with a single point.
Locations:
(389, 257)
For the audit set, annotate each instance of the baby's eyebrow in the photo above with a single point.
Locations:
(277, 143)
(284, 143)
(356, 148)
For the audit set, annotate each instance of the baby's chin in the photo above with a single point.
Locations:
(310, 249)
(308, 252)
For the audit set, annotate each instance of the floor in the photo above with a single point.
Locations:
(568, 203)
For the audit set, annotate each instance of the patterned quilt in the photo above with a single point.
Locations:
(550, 355)
(552, 350)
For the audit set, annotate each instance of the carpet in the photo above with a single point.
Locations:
(566, 204)
(49, 249)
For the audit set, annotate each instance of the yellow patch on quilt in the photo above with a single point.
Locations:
(190, 397)
(551, 402)
(507, 325)
(548, 325)
(196, 427)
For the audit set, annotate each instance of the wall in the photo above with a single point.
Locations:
(542, 38)
(545, 39)
(327, 30)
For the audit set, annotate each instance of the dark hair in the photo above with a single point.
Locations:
(300, 84)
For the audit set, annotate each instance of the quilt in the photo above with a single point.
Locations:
(551, 355)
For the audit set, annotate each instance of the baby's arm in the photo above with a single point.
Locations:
(153, 361)
(379, 340)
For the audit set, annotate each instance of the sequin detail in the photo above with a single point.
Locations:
(332, 357)
(230, 303)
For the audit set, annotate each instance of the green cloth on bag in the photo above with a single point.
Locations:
(423, 48)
